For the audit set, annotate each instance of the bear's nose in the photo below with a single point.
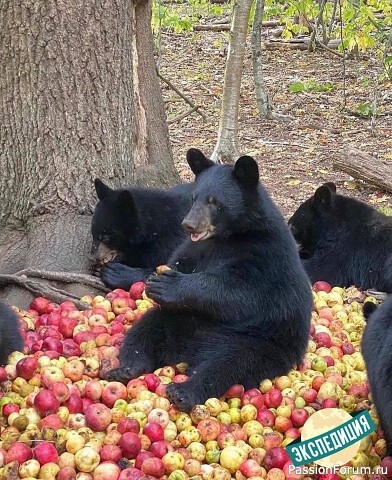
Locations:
(190, 224)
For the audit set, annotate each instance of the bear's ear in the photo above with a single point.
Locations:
(102, 190)
(324, 196)
(126, 200)
(247, 171)
(198, 161)
(331, 186)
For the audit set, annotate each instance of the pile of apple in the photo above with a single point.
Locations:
(60, 419)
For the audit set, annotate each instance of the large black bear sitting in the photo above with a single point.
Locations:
(377, 352)
(236, 307)
(137, 227)
(344, 241)
(10, 337)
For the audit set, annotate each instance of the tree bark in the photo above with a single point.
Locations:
(79, 99)
(364, 167)
(226, 149)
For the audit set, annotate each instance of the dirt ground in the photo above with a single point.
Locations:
(294, 157)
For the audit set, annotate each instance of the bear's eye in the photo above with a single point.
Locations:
(213, 201)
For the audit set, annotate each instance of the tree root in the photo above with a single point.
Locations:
(25, 279)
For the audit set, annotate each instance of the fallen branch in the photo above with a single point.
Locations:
(182, 95)
(300, 44)
(66, 277)
(366, 168)
(42, 290)
(284, 144)
(220, 27)
(183, 115)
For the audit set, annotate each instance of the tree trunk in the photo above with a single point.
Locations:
(79, 99)
(262, 98)
(226, 149)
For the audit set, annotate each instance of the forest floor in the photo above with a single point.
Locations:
(294, 157)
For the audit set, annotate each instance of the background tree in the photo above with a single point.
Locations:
(79, 99)
(226, 149)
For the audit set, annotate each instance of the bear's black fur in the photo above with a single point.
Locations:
(10, 336)
(236, 307)
(137, 227)
(377, 352)
(344, 241)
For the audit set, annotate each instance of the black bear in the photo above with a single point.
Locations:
(377, 351)
(137, 227)
(344, 241)
(10, 336)
(236, 305)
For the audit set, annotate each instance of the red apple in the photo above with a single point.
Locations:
(52, 344)
(322, 339)
(154, 431)
(19, 452)
(160, 448)
(127, 424)
(40, 305)
(348, 348)
(265, 417)
(131, 474)
(66, 326)
(113, 391)
(110, 452)
(299, 417)
(276, 457)
(45, 452)
(130, 445)
(141, 457)
(74, 403)
(26, 367)
(70, 348)
(329, 403)
(9, 408)
(93, 390)
(273, 398)
(52, 421)
(152, 381)
(322, 287)
(250, 468)
(45, 403)
(61, 391)
(136, 290)
(153, 467)
(98, 417)
(66, 473)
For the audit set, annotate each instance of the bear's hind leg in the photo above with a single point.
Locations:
(223, 360)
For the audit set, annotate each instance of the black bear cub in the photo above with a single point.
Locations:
(10, 336)
(377, 352)
(236, 305)
(137, 227)
(344, 241)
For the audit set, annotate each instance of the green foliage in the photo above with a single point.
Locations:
(386, 211)
(365, 109)
(311, 85)
(180, 17)
(365, 23)
(388, 66)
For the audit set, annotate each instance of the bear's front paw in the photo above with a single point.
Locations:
(123, 374)
(165, 289)
(117, 275)
(183, 396)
